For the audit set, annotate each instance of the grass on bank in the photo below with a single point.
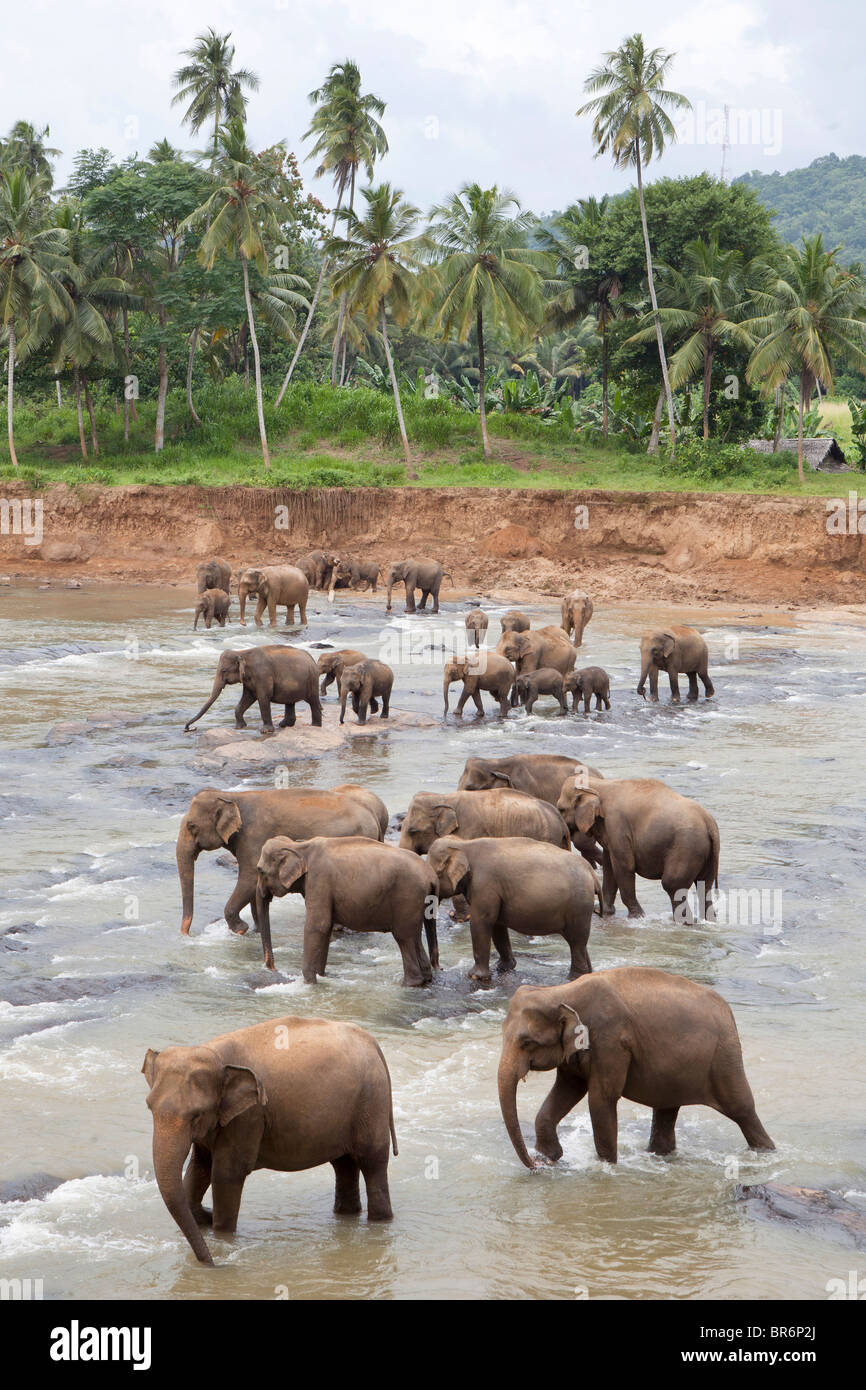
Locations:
(326, 438)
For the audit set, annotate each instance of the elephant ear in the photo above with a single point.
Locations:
(503, 777)
(457, 868)
(587, 810)
(227, 819)
(544, 1027)
(292, 867)
(445, 820)
(149, 1066)
(667, 643)
(241, 1090)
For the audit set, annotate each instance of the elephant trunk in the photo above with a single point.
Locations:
(446, 686)
(186, 854)
(171, 1144)
(219, 686)
(263, 917)
(513, 1068)
(646, 663)
(388, 604)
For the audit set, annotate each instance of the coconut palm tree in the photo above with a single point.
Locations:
(213, 89)
(810, 314)
(25, 147)
(239, 215)
(486, 273)
(631, 123)
(346, 136)
(32, 260)
(703, 304)
(377, 260)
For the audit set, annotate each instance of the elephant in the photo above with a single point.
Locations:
(519, 885)
(546, 681)
(583, 684)
(539, 774)
(425, 575)
(486, 671)
(362, 884)
(212, 603)
(369, 799)
(477, 622)
(353, 574)
(279, 675)
(657, 1039)
(646, 828)
(316, 567)
(576, 609)
(679, 651)
(275, 584)
(531, 651)
(213, 574)
(514, 621)
(367, 682)
(242, 821)
(476, 815)
(330, 665)
(287, 1094)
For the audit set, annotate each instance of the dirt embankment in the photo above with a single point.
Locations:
(679, 547)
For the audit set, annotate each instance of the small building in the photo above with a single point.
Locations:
(822, 453)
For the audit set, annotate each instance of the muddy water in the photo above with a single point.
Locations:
(94, 971)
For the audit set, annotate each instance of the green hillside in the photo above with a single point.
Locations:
(828, 197)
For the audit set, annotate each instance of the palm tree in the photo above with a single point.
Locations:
(238, 216)
(213, 89)
(25, 146)
(486, 272)
(810, 313)
(347, 136)
(377, 259)
(631, 123)
(32, 257)
(704, 303)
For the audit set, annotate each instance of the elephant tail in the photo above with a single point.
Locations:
(446, 575)
(390, 1098)
(393, 1131)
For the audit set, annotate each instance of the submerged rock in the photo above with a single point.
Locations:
(809, 1206)
(236, 749)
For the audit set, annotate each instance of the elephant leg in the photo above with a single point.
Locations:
(459, 908)
(480, 931)
(435, 593)
(567, 1091)
(315, 710)
(265, 711)
(608, 886)
(693, 685)
(260, 608)
(606, 699)
(586, 702)
(413, 973)
(677, 891)
(422, 606)
(502, 942)
(576, 937)
(272, 612)
(602, 1113)
(289, 719)
(361, 711)
(374, 705)
(227, 1180)
(247, 698)
(386, 704)
(479, 703)
(753, 1131)
(347, 1191)
(663, 1138)
(241, 897)
(709, 688)
(375, 1170)
(624, 875)
(674, 678)
(315, 957)
(196, 1181)
(654, 683)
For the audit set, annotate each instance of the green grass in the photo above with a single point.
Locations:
(326, 438)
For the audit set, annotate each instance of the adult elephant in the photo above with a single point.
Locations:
(473, 815)
(679, 651)
(576, 611)
(425, 575)
(534, 650)
(539, 774)
(278, 675)
(275, 585)
(361, 884)
(484, 671)
(367, 798)
(514, 621)
(353, 574)
(242, 821)
(516, 884)
(656, 1039)
(330, 665)
(213, 574)
(646, 828)
(317, 566)
(288, 1094)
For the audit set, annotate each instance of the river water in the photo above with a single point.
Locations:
(93, 971)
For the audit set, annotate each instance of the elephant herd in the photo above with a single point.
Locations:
(516, 848)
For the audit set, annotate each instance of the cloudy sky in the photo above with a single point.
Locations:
(475, 89)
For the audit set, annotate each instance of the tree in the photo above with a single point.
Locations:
(632, 124)
(810, 313)
(346, 136)
(377, 259)
(213, 89)
(32, 258)
(486, 271)
(25, 147)
(238, 215)
(704, 304)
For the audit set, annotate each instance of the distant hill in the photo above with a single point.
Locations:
(828, 197)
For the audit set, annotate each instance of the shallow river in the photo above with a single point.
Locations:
(93, 971)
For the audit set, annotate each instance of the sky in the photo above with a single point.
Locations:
(480, 90)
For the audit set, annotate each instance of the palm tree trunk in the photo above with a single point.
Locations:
(652, 289)
(161, 395)
(192, 347)
(343, 361)
(59, 393)
(482, 408)
(395, 388)
(306, 328)
(80, 413)
(653, 445)
(708, 375)
(128, 405)
(93, 439)
(780, 407)
(800, 431)
(341, 317)
(10, 399)
(604, 378)
(255, 342)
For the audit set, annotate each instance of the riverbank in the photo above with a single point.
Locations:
(674, 547)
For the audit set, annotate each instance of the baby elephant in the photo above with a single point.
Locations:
(477, 623)
(289, 1094)
(514, 621)
(367, 682)
(212, 603)
(529, 686)
(341, 882)
(330, 665)
(656, 1039)
(592, 680)
(520, 885)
